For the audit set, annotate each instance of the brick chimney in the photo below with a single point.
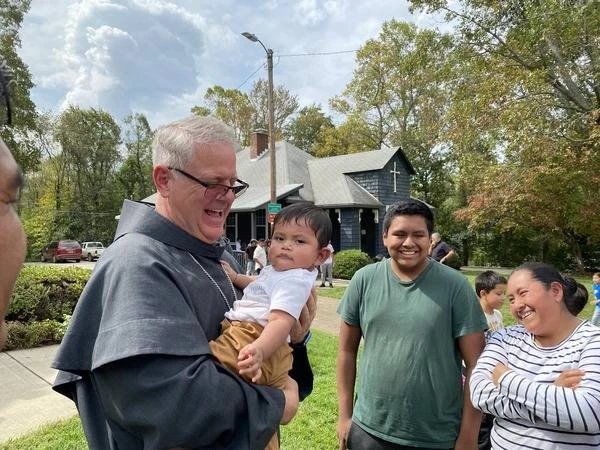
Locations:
(259, 142)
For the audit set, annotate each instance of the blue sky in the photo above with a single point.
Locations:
(158, 57)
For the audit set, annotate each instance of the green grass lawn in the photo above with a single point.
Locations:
(66, 434)
(334, 292)
(314, 425)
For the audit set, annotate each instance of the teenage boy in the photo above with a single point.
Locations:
(418, 320)
(490, 287)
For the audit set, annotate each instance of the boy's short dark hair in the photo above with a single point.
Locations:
(410, 207)
(488, 280)
(316, 219)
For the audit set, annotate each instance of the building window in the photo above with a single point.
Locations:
(230, 227)
(260, 223)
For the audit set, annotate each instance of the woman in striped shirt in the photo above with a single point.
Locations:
(541, 378)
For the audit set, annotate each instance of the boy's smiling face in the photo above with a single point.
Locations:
(495, 298)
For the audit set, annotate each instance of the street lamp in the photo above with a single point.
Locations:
(271, 107)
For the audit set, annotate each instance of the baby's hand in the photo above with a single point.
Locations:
(250, 359)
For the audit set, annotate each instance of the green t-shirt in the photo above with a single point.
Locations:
(409, 388)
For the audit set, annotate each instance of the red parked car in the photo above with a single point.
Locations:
(62, 251)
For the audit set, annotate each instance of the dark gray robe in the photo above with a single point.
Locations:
(135, 358)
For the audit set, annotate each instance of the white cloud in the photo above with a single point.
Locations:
(159, 56)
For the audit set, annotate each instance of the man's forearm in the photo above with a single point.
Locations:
(471, 418)
(346, 378)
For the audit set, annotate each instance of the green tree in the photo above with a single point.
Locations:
(524, 117)
(400, 91)
(201, 111)
(306, 129)
(284, 105)
(352, 136)
(48, 191)
(18, 136)
(89, 139)
(232, 107)
(135, 174)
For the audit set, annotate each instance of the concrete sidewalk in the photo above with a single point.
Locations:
(27, 400)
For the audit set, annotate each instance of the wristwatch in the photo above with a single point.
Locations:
(303, 342)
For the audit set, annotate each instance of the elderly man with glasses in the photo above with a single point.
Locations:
(136, 358)
(12, 237)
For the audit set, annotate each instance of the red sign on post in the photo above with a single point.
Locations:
(272, 217)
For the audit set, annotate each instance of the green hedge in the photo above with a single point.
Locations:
(347, 262)
(34, 334)
(42, 303)
(46, 293)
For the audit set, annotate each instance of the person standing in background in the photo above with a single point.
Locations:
(596, 300)
(439, 250)
(327, 268)
(250, 266)
(260, 256)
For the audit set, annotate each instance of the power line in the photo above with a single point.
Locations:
(292, 55)
(251, 75)
(318, 54)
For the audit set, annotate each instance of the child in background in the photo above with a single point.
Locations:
(491, 289)
(253, 340)
(596, 300)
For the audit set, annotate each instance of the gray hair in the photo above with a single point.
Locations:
(174, 144)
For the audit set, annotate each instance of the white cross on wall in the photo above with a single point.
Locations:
(395, 172)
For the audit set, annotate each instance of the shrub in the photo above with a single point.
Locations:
(44, 292)
(33, 334)
(347, 262)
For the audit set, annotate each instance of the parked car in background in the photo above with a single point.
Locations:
(91, 250)
(62, 251)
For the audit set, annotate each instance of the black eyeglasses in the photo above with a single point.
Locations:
(4, 98)
(214, 190)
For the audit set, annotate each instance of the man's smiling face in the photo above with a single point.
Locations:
(407, 241)
(190, 205)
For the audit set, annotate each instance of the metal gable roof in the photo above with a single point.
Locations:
(361, 162)
(291, 168)
(323, 181)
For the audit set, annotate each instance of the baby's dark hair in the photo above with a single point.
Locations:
(575, 295)
(487, 281)
(316, 219)
(410, 207)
